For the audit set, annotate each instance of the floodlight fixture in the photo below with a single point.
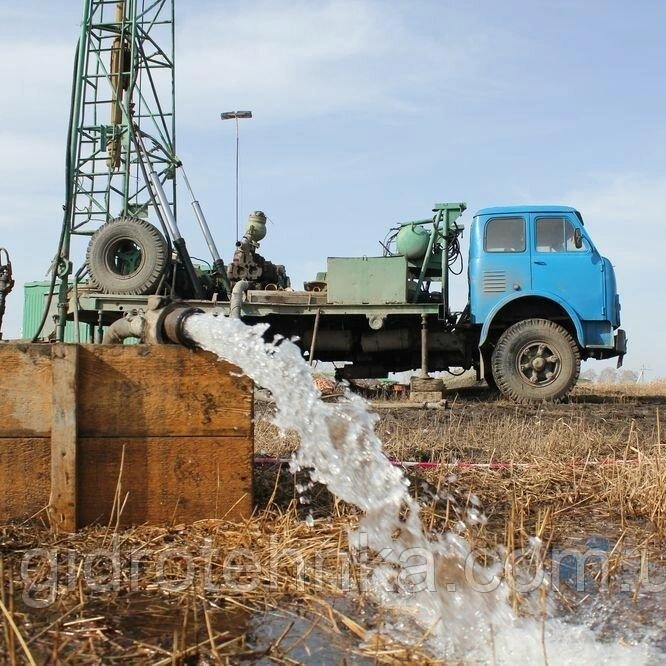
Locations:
(231, 115)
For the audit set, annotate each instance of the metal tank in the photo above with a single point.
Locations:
(412, 241)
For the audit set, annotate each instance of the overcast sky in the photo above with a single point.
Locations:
(365, 114)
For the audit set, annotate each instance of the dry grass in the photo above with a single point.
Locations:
(594, 466)
(186, 595)
(604, 449)
(655, 388)
(594, 425)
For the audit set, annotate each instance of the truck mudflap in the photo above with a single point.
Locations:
(620, 346)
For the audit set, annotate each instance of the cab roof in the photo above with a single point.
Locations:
(529, 208)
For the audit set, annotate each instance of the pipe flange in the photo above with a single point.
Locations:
(169, 327)
(159, 323)
(174, 325)
(376, 322)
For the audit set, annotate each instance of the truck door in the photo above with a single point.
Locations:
(499, 262)
(559, 267)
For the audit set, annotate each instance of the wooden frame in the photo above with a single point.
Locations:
(123, 435)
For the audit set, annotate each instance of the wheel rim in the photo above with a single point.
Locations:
(125, 257)
(539, 364)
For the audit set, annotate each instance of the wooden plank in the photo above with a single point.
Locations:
(160, 391)
(25, 477)
(164, 481)
(25, 408)
(184, 419)
(64, 366)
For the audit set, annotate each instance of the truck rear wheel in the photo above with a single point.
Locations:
(127, 256)
(536, 360)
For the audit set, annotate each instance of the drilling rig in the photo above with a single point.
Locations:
(121, 165)
(527, 323)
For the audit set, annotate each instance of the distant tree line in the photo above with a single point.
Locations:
(611, 376)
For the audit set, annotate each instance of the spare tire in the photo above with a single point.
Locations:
(127, 256)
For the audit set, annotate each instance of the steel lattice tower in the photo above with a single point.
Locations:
(123, 77)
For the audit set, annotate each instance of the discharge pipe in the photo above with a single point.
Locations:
(164, 322)
(173, 325)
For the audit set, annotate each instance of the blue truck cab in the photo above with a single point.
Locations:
(542, 298)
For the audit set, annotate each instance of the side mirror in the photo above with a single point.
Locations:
(578, 238)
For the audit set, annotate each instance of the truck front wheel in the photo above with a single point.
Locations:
(536, 360)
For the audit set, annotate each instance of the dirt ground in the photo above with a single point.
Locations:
(481, 433)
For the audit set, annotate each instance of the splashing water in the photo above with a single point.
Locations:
(465, 614)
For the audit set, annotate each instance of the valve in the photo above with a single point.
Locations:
(6, 282)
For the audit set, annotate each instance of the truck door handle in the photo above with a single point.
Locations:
(540, 263)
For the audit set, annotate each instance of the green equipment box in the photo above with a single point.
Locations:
(367, 280)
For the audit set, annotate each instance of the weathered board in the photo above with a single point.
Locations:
(64, 371)
(25, 372)
(161, 391)
(25, 476)
(162, 432)
(163, 480)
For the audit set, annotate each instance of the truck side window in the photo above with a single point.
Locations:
(505, 234)
(555, 234)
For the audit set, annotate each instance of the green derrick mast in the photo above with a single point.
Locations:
(123, 80)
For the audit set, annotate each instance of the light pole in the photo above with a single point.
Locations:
(236, 115)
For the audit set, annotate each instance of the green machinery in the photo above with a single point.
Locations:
(121, 158)
(120, 207)
(425, 251)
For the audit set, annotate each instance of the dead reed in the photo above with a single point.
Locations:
(275, 588)
(212, 592)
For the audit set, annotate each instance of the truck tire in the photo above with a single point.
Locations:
(536, 360)
(127, 256)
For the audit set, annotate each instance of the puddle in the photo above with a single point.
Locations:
(305, 640)
(157, 623)
(153, 620)
(622, 600)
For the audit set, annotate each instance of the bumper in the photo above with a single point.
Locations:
(620, 345)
